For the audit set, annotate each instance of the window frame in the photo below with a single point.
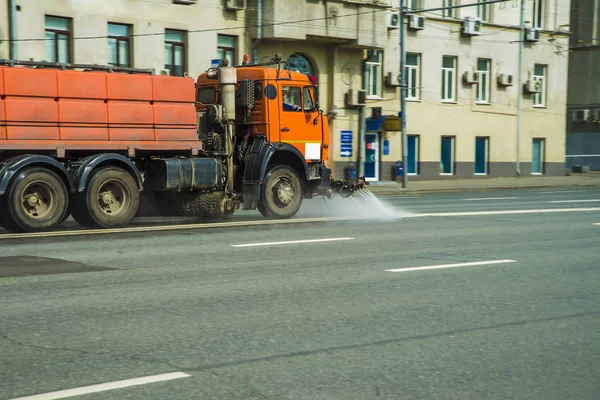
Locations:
(540, 100)
(122, 39)
(55, 39)
(451, 13)
(486, 155)
(483, 11)
(452, 155)
(445, 80)
(416, 158)
(182, 45)
(413, 5)
(538, 14)
(479, 99)
(369, 67)
(226, 49)
(542, 155)
(413, 86)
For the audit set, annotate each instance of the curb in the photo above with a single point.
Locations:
(401, 191)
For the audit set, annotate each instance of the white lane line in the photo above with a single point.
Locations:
(492, 198)
(291, 242)
(176, 227)
(576, 201)
(596, 223)
(563, 191)
(467, 264)
(503, 212)
(162, 228)
(61, 394)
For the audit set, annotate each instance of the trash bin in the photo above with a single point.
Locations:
(350, 174)
(398, 170)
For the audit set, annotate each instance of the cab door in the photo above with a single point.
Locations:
(300, 122)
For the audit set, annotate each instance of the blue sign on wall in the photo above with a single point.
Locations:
(386, 147)
(346, 150)
(346, 137)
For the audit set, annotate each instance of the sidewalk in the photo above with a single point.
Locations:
(590, 179)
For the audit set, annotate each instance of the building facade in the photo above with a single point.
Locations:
(169, 36)
(461, 73)
(583, 101)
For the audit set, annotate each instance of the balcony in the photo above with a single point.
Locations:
(359, 23)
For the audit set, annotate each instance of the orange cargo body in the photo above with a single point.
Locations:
(42, 108)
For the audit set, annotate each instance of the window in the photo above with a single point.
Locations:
(413, 5)
(300, 63)
(291, 98)
(538, 13)
(308, 101)
(448, 78)
(58, 39)
(412, 69)
(481, 155)
(373, 74)
(539, 74)
(412, 156)
(175, 52)
(450, 13)
(226, 46)
(447, 156)
(483, 83)
(483, 10)
(206, 95)
(119, 45)
(537, 156)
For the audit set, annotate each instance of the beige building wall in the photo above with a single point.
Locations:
(430, 118)
(149, 19)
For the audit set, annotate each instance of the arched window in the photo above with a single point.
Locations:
(300, 63)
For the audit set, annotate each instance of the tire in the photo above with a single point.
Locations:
(281, 193)
(110, 200)
(37, 200)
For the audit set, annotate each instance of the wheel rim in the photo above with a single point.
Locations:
(38, 200)
(283, 192)
(113, 198)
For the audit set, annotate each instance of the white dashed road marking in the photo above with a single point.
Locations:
(291, 242)
(467, 264)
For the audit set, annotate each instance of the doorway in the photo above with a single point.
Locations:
(371, 164)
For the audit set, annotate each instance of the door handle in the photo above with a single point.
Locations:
(285, 129)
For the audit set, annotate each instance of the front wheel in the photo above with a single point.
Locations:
(281, 193)
(110, 200)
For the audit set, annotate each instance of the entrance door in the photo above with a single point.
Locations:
(371, 165)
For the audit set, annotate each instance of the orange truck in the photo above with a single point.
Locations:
(104, 144)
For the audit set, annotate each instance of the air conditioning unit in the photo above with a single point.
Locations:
(580, 116)
(393, 20)
(470, 77)
(505, 80)
(532, 86)
(471, 26)
(235, 5)
(188, 2)
(532, 34)
(392, 79)
(596, 115)
(416, 21)
(356, 98)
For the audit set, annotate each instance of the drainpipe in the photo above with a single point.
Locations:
(258, 31)
(12, 4)
(520, 88)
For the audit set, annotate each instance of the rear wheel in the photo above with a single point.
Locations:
(281, 193)
(37, 200)
(110, 200)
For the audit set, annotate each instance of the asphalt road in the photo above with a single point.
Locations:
(244, 319)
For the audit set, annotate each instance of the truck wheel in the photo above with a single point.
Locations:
(281, 193)
(37, 200)
(110, 200)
